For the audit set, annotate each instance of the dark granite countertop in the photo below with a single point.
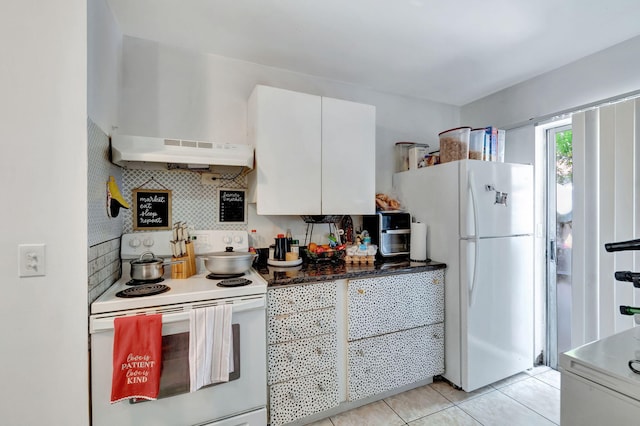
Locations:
(328, 271)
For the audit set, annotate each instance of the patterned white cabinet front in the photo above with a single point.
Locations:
(301, 397)
(395, 331)
(300, 357)
(302, 351)
(381, 363)
(395, 302)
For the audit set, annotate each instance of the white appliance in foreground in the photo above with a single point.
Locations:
(480, 223)
(239, 402)
(598, 387)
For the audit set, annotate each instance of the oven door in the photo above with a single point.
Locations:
(394, 242)
(244, 393)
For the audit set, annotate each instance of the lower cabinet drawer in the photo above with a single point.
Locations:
(381, 363)
(301, 325)
(301, 357)
(301, 397)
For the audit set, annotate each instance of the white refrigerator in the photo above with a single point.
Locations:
(479, 218)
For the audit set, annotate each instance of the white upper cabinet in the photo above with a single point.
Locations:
(314, 155)
(348, 157)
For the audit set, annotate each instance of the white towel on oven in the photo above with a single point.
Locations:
(210, 345)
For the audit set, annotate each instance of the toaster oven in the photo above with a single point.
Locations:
(390, 231)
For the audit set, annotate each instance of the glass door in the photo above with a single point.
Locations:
(559, 240)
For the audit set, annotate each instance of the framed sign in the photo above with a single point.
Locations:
(151, 209)
(232, 206)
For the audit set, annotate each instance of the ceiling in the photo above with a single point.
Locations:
(453, 51)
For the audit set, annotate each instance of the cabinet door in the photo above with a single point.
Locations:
(301, 325)
(348, 157)
(395, 302)
(285, 128)
(289, 299)
(301, 397)
(386, 362)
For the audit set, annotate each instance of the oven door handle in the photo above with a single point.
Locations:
(170, 316)
(396, 231)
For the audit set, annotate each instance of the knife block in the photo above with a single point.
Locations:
(188, 265)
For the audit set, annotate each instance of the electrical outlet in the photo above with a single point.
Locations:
(210, 178)
(31, 260)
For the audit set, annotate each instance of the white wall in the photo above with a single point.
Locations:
(43, 324)
(607, 74)
(104, 65)
(172, 92)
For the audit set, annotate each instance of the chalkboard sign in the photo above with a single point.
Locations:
(151, 209)
(232, 206)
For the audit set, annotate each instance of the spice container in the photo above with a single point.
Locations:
(454, 144)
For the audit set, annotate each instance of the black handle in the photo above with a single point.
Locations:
(228, 249)
(633, 277)
(623, 245)
(629, 310)
(626, 275)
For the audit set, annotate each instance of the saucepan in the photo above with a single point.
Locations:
(229, 261)
(148, 267)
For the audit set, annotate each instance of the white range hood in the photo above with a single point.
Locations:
(137, 152)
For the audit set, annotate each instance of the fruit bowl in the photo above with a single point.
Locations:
(323, 255)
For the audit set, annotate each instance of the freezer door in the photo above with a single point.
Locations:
(496, 309)
(496, 199)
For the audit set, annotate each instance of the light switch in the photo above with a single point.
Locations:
(31, 260)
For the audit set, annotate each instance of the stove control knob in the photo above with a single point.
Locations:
(226, 239)
(237, 239)
(148, 242)
(135, 243)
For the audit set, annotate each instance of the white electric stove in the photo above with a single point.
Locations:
(195, 288)
(239, 402)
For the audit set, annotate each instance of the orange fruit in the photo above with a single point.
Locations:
(312, 247)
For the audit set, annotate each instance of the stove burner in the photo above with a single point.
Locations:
(143, 290)
(213, 276)
(234, 282)
(143, 282)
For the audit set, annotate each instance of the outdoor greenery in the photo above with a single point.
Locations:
(564, 157)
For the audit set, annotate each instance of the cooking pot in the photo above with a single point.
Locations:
(148, 268)
(229, 261)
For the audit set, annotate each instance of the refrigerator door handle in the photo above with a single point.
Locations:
(474, 204)
(472, 286)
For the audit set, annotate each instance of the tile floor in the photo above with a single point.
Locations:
(528, 398)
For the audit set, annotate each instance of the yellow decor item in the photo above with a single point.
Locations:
(115, 201)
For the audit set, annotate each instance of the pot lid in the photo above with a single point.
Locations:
(233, 254)
(146, 258)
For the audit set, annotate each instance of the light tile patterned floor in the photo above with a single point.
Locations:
(529, 398)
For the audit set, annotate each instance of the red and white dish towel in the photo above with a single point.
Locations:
(210, 345)
(137, 357)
